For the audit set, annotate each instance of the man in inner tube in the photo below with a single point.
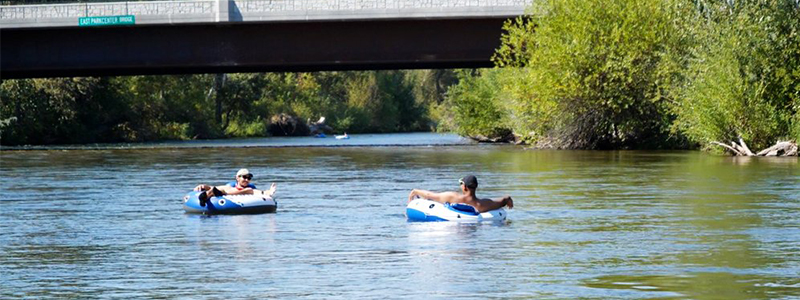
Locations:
(469, 184)
(241, 186)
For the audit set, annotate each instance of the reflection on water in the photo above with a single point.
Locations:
(699, 285)
(624, 225)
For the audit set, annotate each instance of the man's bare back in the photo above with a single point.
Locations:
(469, 185)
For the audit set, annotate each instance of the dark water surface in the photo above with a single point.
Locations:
(593, 225)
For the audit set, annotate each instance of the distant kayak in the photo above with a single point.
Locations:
(428, 210)
(342, 137)
(229, 204)
(320, 135)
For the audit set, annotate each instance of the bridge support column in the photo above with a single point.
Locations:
(223, 10)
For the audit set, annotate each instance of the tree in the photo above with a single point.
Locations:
(591, 74)
(744, 80)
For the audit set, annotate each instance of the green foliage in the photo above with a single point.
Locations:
(592, 74)
(795, 134)
(164, 107)
(621, 74)
(145, 108)
(57, 110)
(429, 90)
(372, 101)
(473, 109)
(745, 79)
(246, 129)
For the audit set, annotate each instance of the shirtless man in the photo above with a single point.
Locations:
(469, 184)
(241, 186)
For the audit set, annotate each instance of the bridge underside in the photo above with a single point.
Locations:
(249, 47)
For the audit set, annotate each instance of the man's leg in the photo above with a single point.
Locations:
(213, 192)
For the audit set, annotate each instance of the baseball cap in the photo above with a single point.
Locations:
(470, 181)
(243, 172)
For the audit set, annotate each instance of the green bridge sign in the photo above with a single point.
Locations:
(107, 20)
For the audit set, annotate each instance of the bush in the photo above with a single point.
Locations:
(473, 107)
(745, 80)
(591, 74)
(145, 108)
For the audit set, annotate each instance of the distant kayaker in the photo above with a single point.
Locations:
(241, 186)
(469, 184)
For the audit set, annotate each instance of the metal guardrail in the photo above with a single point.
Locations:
(73, 10)
(204, 11)
(35, 2)
(334, 5)
(100, 8)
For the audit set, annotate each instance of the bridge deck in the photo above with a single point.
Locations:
(251, 36)
(206, 11)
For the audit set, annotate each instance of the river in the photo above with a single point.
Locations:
(107, 222)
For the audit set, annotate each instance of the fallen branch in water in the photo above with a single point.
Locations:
(781, 148)
(787, 148)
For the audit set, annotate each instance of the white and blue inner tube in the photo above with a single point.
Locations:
(431, 211)
(229, 204)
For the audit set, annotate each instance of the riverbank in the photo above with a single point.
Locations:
(50, 111)
(413, 139)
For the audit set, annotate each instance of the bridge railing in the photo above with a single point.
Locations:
(146, 12)
(290, 10)
(204, 11)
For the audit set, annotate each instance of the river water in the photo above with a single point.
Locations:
(108, 223)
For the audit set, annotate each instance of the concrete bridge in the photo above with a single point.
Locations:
(213, 36)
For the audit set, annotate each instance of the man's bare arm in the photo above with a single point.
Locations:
(438, 197)
(484, 205)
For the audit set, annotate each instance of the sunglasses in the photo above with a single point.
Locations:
(461, 182)
(248, 177)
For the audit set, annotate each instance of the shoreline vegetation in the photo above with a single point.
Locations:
(723, 76)
(404, 139)
(640, 74)
(45, 111)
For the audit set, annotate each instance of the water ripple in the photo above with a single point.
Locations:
(624, 225)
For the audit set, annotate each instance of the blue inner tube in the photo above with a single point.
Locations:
(229, 205)
(426, 210)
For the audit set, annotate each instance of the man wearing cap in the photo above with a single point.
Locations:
(241, 186)
(469, 184)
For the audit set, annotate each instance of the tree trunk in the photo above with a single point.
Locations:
(219, 82)
(781, 148)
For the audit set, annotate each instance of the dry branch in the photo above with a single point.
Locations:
(735, 152)
(745, 148)
(786, 148)
(781, 148)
